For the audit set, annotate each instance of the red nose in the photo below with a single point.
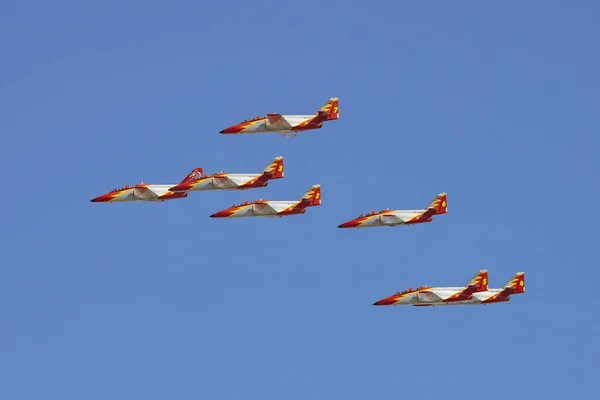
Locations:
(222, 214)
(350, 224)
(101, 199)
(388, 301)
(231, 129)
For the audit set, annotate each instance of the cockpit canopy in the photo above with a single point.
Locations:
(413, 290)
(373, 213)
(252, 119)
(245, 203)
(119, 189)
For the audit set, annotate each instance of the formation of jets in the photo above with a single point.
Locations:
(476, 292)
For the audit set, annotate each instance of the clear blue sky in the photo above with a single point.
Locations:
(497, 105)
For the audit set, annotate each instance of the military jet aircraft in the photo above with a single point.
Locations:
(472, 294)
(389, 217)
(287, 125)
(145, 192)
(225, 181)
(269, 208)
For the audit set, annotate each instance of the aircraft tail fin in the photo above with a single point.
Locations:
(275, 169)
(193, 176)
(330, 110)
(439, 204)
(312, 197)
(517, 283)
(479, 281)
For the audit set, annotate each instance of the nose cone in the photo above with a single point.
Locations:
(234, 129)
(222, 214)
(388, 301)
(350, 224)
(229, 130)
(101, 199)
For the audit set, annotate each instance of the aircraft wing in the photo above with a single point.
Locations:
(277, 122)
(263, 208)
(224, 182)
(389, 219)
(143, 193)
(427, 296)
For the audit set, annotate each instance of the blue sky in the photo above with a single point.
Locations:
(497, 105)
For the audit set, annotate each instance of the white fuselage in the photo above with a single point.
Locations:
(293, 120)
(391, 218)
(223, 182)
(266, 209)
(147, 193)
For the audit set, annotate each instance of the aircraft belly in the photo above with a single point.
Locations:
(454, 303)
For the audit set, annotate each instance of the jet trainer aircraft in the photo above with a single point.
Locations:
(287, 125)
(225, 181)
(389, 217)
(268, 208)
(475, 293)
(145, 192)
